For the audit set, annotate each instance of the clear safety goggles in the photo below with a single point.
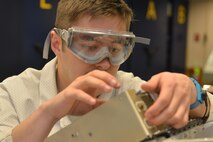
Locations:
(94, 45)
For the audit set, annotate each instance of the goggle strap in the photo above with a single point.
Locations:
(142, 40)
(61, 33)
(46, 47)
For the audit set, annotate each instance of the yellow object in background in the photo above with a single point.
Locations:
(181, 18)
(45, 5)
(151, 11)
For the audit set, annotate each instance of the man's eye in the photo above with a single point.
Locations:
(87, 38)
(114, 50)
(92, 48)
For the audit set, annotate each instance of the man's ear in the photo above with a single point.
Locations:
(56, 43)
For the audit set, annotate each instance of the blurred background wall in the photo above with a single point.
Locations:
(24, 26)
(200, 40)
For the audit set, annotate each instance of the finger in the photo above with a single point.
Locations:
(180, 119)
(74, 107)
(177, 106)
(98, 103)
(164, 115)
(161, 103)
(79, 95)
(92, 85)
(106, 77)
(152, 84)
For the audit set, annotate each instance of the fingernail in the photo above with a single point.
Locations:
(107, 88)
(92, 101)
(147, 116)
(114, 83)
(148, 123)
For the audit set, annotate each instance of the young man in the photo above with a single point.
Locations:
(85, 74)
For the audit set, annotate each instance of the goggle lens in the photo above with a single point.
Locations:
(92, 48)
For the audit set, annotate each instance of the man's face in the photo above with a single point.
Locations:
(71, 67)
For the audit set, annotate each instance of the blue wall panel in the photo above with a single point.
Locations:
(177, 46)
(10, 39)
(148, 60)
(24, 27)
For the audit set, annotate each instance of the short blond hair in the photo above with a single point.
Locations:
(69, 11)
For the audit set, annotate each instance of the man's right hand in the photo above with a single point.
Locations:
(81, 95)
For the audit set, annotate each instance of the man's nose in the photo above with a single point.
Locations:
(104, 64)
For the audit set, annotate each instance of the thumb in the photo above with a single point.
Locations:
(152, 84)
